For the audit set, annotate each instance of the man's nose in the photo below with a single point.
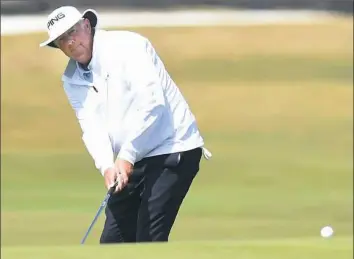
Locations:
(71, 43)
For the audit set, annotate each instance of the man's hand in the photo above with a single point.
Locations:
(124, 169)
(110, 177)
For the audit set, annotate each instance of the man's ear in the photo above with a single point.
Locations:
(87, 24)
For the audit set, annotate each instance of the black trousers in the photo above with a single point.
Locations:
(146, 209)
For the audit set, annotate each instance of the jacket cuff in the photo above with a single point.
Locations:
(128, 153)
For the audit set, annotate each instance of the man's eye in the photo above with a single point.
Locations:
(58, 40)
(71, 31)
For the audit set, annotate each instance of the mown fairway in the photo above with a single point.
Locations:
(275, 106)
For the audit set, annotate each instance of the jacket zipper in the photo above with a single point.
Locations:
(107, 112)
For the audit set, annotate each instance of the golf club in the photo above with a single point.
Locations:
(103, 205)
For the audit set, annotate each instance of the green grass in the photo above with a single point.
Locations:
(274, 249)
(275, 106)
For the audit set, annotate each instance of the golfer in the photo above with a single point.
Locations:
(136, 124)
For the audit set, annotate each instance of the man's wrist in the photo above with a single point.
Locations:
(106, 168)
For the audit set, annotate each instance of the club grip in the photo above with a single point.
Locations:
(112, 189)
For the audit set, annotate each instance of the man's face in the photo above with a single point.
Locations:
(76, 42)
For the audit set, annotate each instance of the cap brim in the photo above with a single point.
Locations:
(48, 43)
(89, 14)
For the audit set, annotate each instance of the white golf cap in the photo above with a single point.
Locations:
(62, 19)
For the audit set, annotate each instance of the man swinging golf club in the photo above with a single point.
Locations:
(135, 124)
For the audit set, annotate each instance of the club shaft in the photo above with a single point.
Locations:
(95, 218)
(103, 205)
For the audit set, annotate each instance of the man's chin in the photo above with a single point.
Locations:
(79, 58)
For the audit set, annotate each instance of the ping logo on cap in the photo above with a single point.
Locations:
(55, 19)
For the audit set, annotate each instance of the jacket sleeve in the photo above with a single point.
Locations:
(142, 71)
(94, 135)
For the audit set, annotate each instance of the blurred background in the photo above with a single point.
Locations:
(36, 6)
(270, 83)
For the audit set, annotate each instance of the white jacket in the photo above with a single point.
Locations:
(126, 104)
